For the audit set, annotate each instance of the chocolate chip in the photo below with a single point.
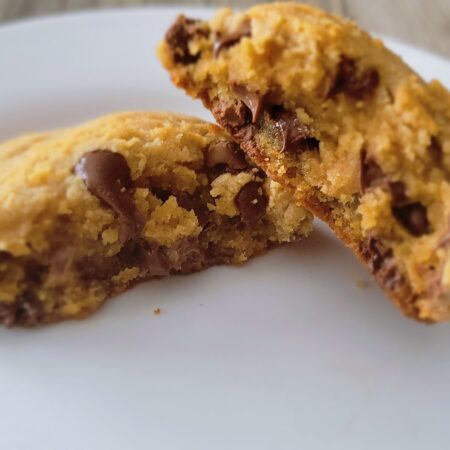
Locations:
(218, 254)
(245, 135)
(148, 256)
(89, 269)
(108, 177)
(228, 40)
(413, 217)
(374, 254)
(398, 193)
(252, 100)
(5, 256)
(232, 114)
(390, 276)
(194, 203)
(297, 136)
(225, 153)
(349, 80)
(435, 150)
(161, 194)
(371, 175)
(381, 262)
(259, 173)
(251, 201)
(291, 172)
(154, 260)
(35, 271)
(26, 311)
(179, 35)
(187, 256)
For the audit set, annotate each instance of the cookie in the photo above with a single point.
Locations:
(330, 113)
(86, 213)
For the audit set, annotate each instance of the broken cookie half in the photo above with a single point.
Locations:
(331, 114)
(86, 213)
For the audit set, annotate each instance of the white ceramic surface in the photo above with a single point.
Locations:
(284, 353)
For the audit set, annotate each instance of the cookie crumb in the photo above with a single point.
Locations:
(157, 311)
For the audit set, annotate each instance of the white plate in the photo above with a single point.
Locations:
(284, 353)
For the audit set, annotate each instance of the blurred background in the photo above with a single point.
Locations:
(425, 23)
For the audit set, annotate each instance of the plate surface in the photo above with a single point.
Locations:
(284, 353)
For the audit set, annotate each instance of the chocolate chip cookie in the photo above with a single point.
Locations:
(330, 113)
(86, 213)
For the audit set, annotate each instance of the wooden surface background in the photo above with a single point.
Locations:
(425, 23)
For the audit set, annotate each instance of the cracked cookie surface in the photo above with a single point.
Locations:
(358, 137)
(87, 212)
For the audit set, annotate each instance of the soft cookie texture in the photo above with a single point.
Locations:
(87, 212)
(331, 114)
